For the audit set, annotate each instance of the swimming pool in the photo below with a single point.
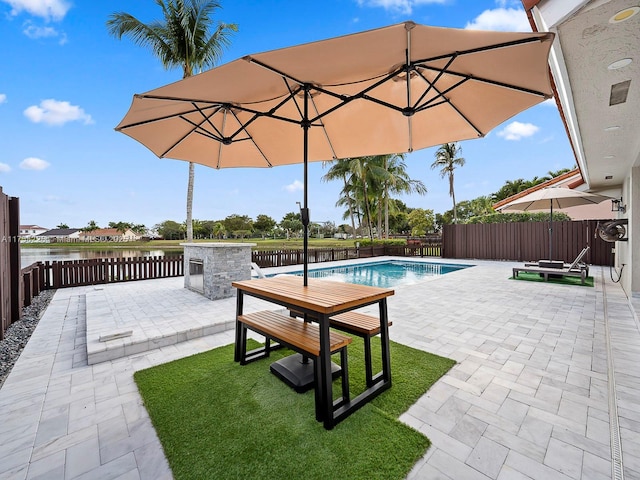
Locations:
(391, 273)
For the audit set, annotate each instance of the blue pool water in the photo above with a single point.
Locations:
(384, 274)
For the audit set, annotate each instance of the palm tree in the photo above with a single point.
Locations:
(366, 175)
(184, 40)
(341, 169)
(446, 161)
(397, 181)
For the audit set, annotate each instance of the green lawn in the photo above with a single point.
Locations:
(217, 419)
(536, 277)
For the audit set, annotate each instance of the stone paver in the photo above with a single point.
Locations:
(528, 399)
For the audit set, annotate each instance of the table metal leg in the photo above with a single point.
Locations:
(325, 381)
(384, 342)
(241, 333)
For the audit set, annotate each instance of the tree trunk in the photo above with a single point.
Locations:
(453, 198)
(190, 203)
(366, 204)
(379, 233)
(386, 212)
(353, 222)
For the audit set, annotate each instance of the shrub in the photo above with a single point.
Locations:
(376, 242)
(519, 217)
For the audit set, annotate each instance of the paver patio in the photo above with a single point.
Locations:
(547, 384)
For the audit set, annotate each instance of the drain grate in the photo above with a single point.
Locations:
(617, 470)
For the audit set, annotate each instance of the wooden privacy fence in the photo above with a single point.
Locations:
(76, 273)
(526, 241)
(10, 304)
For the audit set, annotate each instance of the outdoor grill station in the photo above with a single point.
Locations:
(210, 267)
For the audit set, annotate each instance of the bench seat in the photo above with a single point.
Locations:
(296, 334)
(356, 323)
(360, 325)
(300, 336)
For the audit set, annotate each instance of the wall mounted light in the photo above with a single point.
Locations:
(616, 206)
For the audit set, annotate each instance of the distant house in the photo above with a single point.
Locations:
(572, 179)
(109, 235)
(28, 231)
(61, 235)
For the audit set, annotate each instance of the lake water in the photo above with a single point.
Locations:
(32, 255)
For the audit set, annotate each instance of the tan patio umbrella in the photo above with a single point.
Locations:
(390, 90)
(550, 198)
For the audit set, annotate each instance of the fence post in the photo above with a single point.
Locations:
(56, 267)
(14, 258)
(26, 288)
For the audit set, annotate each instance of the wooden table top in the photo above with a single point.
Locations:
(321, 296)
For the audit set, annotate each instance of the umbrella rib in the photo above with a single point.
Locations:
(541, 38)
(250, 137)
(487, 80)
(207, 119)
(326, 134)
(434, 82)
(197, 128)
(343, 99)
(166, 117)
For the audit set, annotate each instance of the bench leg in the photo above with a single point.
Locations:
(317, 387)
(241, 343)
(367, 360)
(345, 374)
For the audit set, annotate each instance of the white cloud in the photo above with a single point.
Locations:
(517, 130)
(4, 168)
(55, 112)
(3, 98)
(296, 186)
(504, 19)
(46, 9)
(399, 6)
(33, 31)
(36, 32)
(33, 163)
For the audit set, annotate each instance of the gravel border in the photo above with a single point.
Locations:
(18, 333)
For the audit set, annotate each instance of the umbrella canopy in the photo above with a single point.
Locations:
(550, 198)
(390, 90)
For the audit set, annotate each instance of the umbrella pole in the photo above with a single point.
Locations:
(305, 210)
(296, 370)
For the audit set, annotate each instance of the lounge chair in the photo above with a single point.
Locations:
(577, 264)
(575, 269)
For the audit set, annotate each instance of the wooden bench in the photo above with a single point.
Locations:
(358, 324)
(293, 333)
(545, 272)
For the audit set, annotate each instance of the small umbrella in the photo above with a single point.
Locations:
(553, 197)
(389, 90)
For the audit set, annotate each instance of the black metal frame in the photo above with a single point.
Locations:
(328, 411)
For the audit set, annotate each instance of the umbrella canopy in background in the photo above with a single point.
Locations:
(390, 90)
(550, 198)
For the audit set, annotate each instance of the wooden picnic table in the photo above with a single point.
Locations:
(320, 300)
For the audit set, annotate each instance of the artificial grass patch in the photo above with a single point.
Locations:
(217, 419)
(536, 277)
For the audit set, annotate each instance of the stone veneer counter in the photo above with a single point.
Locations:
(209, 268)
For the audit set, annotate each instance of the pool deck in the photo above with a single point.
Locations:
(547, 384)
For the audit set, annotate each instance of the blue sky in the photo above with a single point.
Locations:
(65, 84)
